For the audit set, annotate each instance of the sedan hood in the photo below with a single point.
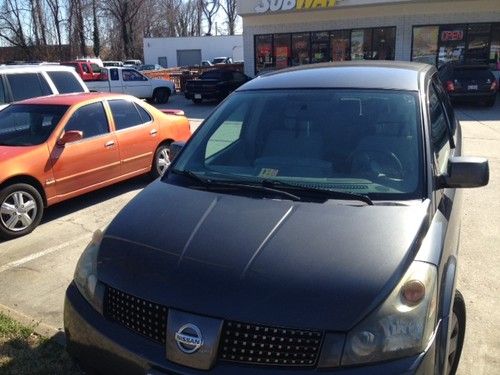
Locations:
(276, 262)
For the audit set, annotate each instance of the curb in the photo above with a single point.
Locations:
(39, 328)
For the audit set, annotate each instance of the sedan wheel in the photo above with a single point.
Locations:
(457, 333)
(162, 160)
(21, 209)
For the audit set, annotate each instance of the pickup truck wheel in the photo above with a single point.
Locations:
(161, 160)
(21, 209)
(161, 95)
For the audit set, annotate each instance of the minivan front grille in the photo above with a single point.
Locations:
(144, 317)
(258, 344)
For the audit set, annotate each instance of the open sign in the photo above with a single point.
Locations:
(452, 35)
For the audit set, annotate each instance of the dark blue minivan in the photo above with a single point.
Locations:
(310, 226)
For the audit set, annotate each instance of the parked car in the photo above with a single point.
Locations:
(130, 81)
(317, 226)
(28, 81)
(134, 63)
(222, 60)
(112, 63)
(472, 83)
(206, 63)
(214, 85)
(150, 67)
(58, 147)
(87, 70)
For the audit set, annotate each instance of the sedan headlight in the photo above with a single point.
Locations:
(402, 326)
(85, 276)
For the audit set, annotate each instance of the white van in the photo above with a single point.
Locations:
(19, 82)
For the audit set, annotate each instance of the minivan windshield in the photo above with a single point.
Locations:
(357, 141)
(28, 124)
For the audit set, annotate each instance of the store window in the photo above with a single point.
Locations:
(478, 44)
(300, 49)
(384, 40)
(495, 47)
(320, 47)
(361, 44)
(282, 50)
(340, 45)
(263, 52)
(451, 44)
(425, 44)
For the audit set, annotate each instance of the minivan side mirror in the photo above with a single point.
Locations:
(175, 148)
(70, 136)
(465, 172)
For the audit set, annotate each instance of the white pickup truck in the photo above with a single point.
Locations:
(130, 81)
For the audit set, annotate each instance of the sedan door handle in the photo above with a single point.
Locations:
(109, 144)
(153, 132)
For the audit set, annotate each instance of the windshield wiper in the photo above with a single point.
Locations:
(330, 193)
(210, 183)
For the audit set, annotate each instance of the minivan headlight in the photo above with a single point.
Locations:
(402, 326)
(85, 276)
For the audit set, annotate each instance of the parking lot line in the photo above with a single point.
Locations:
(42, 253)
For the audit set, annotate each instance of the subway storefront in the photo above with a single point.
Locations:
(283, 33)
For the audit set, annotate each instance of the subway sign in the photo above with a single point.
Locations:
(282, 5)
(272, 6)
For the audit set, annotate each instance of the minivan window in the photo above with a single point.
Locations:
(25, 86)
(359, 141)
(65, 82)
(439, 131)
(29, 125)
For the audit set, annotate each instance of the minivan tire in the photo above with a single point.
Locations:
(16, 201)
(457, 322)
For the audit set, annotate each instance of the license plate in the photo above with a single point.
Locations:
(472, 87)
(198, 96)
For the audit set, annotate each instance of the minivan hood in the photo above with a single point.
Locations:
(276, 262)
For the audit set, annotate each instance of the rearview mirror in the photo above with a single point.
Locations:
(465, 172)
(70, 136)
(175, 148)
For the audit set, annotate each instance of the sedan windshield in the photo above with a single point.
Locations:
(363, 142)
(28, 124)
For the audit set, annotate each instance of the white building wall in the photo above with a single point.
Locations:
(210, 46)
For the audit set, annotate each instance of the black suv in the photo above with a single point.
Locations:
(310, 226)
(471, 83)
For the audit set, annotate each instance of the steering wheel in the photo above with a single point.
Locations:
(377, 164)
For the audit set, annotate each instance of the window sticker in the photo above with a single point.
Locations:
(268, 172)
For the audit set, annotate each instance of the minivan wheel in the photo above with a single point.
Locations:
(21, 209)
(161, 160)
(457, 333)
(161, 95)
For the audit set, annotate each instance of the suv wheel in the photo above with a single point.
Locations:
(21, 209)
(457, 333)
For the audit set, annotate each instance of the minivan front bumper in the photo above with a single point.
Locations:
(108, 347)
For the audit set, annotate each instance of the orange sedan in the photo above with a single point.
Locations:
(57, 147)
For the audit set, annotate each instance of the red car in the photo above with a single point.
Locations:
(57, 147)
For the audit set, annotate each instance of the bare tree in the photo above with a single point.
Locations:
(55, 9)
(11, 25)
(95, 33)
(125, 13)
(210, 9)
(230, 9)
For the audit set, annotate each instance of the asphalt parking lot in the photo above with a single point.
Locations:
(36, 269)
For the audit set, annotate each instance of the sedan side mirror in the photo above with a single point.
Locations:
(465, 172)
(70, 136)
(175, 148)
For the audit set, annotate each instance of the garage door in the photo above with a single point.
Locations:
(188, 57)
